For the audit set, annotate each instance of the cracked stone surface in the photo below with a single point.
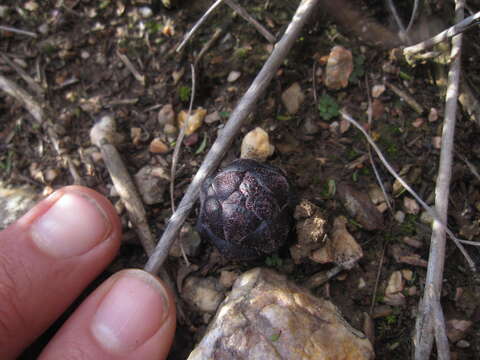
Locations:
(268, 317)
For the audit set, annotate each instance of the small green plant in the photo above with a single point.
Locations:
(153, 27)
(273, 261)
(391, 319)
(184, 93)
(104, 4)
(328, 107)
(358, 69)
(329, 189)
(276, 336)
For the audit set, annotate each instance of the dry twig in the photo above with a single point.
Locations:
(458, 28)
(198, 24)
(18, 31)
(136, 74)
(178, 144)
(431, 211)
(27, 78)
(238, 116)
(244, 14)
(407, 98)
(40, 116)
(430, 320)
(103, 135)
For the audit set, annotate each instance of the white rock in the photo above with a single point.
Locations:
(411, 206)
(378, 90)
(433, 115)
(233, 76)
(3, 11)
(399, 216)
(145, 11)
(292, 98)
(256, 145)
(204, 293)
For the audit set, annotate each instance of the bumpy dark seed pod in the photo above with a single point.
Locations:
(246, 209)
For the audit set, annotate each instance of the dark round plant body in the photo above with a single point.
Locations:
(246, 209)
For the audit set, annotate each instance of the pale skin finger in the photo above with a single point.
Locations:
(48, 257)
(130, 316)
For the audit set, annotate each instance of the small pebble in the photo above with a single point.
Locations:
(292, 98)
(411, 206)
(233, 76)
(31, 6)
(462, 344)
(399, 216)
(194, 122)
(166, 115)
(157, 146)
(213, 117)
(433, 115)
(378, 90)
(145, 12)
(256, 145)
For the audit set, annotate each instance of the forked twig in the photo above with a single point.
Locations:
(231, 129)
(244, 14)
(198, 24)
(431, 320)
(458, 28)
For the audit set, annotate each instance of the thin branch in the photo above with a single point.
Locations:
(18, 31)
(402, 34)
(413, 17)
(231, 129)
(458, 28)
(370, 156)
(407, 98)
(216, 35)
(102, 135)
(27, 78)
(436, 258)
(136, 74)
(407, 187)
(25, 98)
(244, 14)
(198, 24)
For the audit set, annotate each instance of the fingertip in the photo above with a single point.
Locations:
(131, 315)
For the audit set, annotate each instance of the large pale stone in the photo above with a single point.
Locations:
(268, 317)
(14, 202)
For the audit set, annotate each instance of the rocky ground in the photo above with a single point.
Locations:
(89, 58)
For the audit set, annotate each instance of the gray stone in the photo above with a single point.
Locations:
(152, 182)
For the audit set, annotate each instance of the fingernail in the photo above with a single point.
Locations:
(134, 309)
(72, 226)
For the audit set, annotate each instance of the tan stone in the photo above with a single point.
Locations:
(267, 317)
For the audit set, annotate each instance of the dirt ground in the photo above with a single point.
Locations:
(76, 63)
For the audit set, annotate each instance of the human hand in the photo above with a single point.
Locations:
(49, 256)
